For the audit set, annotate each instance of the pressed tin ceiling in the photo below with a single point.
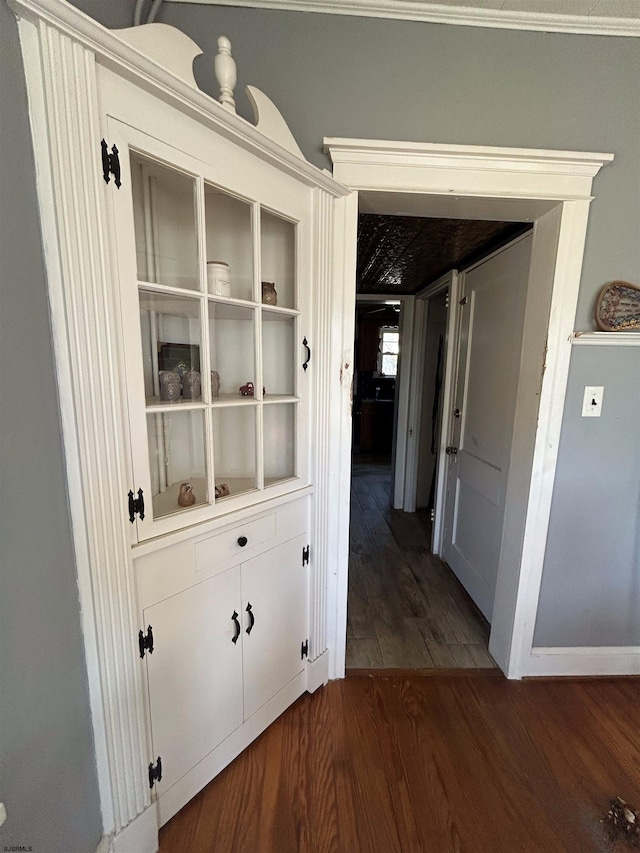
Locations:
(403, 254)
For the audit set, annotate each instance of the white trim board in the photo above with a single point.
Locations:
(442, 13)
(606, 339)
(554, 280)
(583, 660)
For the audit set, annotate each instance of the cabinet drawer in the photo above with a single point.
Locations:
(221, 547)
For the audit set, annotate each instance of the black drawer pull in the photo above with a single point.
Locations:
(252, 619)
(234, 640)
(242, 541)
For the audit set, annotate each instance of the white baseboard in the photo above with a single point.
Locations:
(318, 672)
(139, 836)
(583, 660)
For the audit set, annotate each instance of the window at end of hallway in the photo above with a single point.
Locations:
(388, 349)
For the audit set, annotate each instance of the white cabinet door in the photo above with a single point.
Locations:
(214, 294)
(274, 597)
(195, 672)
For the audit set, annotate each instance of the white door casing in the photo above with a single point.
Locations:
(552, 188)
(447, 283)
(492, 303)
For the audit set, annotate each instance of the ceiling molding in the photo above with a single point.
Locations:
(438, 13)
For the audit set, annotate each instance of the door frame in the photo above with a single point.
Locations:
(450, 282)
(554, 189)
(402, 403)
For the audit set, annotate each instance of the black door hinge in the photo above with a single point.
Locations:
(305, 556)
(463, 301)
(136, 505)
(304, 649)
(155, 773)
(110, 164)
(145, 641)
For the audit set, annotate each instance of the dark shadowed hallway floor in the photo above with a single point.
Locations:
(406, 609)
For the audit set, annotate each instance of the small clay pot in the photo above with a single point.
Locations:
(269, 294)
(186, 496)
(222, 491)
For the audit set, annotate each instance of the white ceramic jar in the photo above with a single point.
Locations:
(218, 278)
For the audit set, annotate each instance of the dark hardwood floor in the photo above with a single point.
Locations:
(444, 764)
(406, 609)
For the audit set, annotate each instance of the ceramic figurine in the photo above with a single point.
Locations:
(248, 390)
(269, 295)
(191, 385)
(186, 496)
(170, 386)
(215, 384)
(222, 491)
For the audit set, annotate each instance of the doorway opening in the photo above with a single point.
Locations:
(406, 608)
(553, 190)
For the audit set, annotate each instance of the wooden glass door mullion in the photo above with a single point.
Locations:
(205, 355)
(257, 291)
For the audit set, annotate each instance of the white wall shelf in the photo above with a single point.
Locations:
(606, 339)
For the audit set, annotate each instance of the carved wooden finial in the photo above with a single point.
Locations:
(226, 75)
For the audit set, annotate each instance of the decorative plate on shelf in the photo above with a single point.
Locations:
(618, 307)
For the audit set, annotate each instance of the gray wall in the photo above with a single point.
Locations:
(591, 584)
(48, 781)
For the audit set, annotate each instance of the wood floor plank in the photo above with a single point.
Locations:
(399, 638)
(446, 764)
(440, 652)
(390, 560)
(364, 654)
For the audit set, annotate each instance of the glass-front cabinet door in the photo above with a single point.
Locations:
(212, 313)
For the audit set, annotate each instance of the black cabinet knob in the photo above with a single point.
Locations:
(242, 541)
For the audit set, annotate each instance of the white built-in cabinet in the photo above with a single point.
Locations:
(194, 398)
(224, 641)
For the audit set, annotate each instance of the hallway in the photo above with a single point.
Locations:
(406, 609)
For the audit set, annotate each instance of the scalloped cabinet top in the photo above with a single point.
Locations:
(162, 57)
(171, 48)
(167, 46)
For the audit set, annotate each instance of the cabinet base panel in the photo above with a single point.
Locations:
(318, 672)
(193, 782)
(140, 835)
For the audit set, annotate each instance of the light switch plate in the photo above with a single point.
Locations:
(592, 401)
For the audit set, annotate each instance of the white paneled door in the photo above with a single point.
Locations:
(492, 305)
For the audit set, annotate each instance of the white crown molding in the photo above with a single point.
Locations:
(382, 152)
(438, 13)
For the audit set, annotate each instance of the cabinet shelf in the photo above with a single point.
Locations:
(226, 400)
(156, 406)
(277, 481)
(168, 289)
(280, 398)
(166, 503)
(274, 312)
(230, 300)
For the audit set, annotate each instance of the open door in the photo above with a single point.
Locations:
(492, 306)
